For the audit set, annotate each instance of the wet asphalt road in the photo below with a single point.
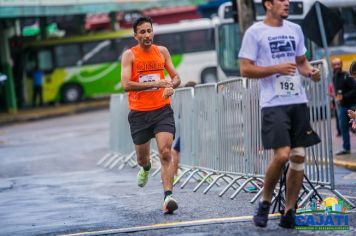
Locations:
(50, 184)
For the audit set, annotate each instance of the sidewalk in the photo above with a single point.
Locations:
(346, 161)
(30, 114)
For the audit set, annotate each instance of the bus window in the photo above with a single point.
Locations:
(123, 44)
(45, 60)
(229, 46)
(67, 55)
(260, 11)
(201, 40)
(171, 41)
(349, 17)
(30, 62)
(99, 52)
(296, 8)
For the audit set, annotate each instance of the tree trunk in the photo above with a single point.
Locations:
(246, 14)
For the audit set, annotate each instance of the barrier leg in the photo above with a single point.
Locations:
(230, 185)
(241, 187)
(132, 163)
(189, 177)
(130, 156)
(111, 160)
(337, 193)
(181, 175)
(304, 201)
(203, 181)
(201, 176)
(104, 158)
(212, 184)
(116, 162)
(253, 200)
(258, 194)
(334, 191)
(228, 182)
(156, 171)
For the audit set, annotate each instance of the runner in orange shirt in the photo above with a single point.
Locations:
(151, 116)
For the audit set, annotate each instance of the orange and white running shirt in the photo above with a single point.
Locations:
(147, 67)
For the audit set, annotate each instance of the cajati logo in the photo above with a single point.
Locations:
(329, 214)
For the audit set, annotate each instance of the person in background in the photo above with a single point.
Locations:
(345, 89)
(333, 109)
(37, 87)
(352, 113)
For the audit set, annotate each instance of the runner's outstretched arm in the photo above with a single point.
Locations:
(306, 69)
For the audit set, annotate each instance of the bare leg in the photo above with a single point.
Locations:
(175, 159)
(143, 154)
(294, 183)
(274, 171)
(164, 144)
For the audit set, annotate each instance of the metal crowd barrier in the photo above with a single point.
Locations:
(220, 135)
(121, 148)
(220, 129)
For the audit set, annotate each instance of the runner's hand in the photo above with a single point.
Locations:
(315, 75)
(167, 92)
(164, 84)
(287, 68)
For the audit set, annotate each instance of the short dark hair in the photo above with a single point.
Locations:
(352, 68)
(139, 21)
(263, 3)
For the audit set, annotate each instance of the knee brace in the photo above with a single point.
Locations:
(299, 151)
(296, 166)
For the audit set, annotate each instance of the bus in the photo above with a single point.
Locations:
(88, 66)
(229, 41)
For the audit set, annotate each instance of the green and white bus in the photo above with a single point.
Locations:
(88, 66)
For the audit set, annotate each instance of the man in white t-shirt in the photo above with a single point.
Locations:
(273, 52)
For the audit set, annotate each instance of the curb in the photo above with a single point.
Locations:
(170, 225)
(5, 184)
(53, 112)
(346, 164)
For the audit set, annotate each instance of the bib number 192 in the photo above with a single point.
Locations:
(289, 86)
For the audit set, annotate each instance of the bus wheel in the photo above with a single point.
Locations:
(209, 75)
(71, 93)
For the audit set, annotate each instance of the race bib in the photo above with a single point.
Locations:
(149, 78)
(287, 85)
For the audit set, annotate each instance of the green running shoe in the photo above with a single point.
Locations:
(169, 205)
(142, 177)
(175, 179)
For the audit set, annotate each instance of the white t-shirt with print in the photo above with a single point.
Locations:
(267, 46)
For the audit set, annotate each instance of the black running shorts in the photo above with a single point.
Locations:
(145, 124)
(287, 125)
